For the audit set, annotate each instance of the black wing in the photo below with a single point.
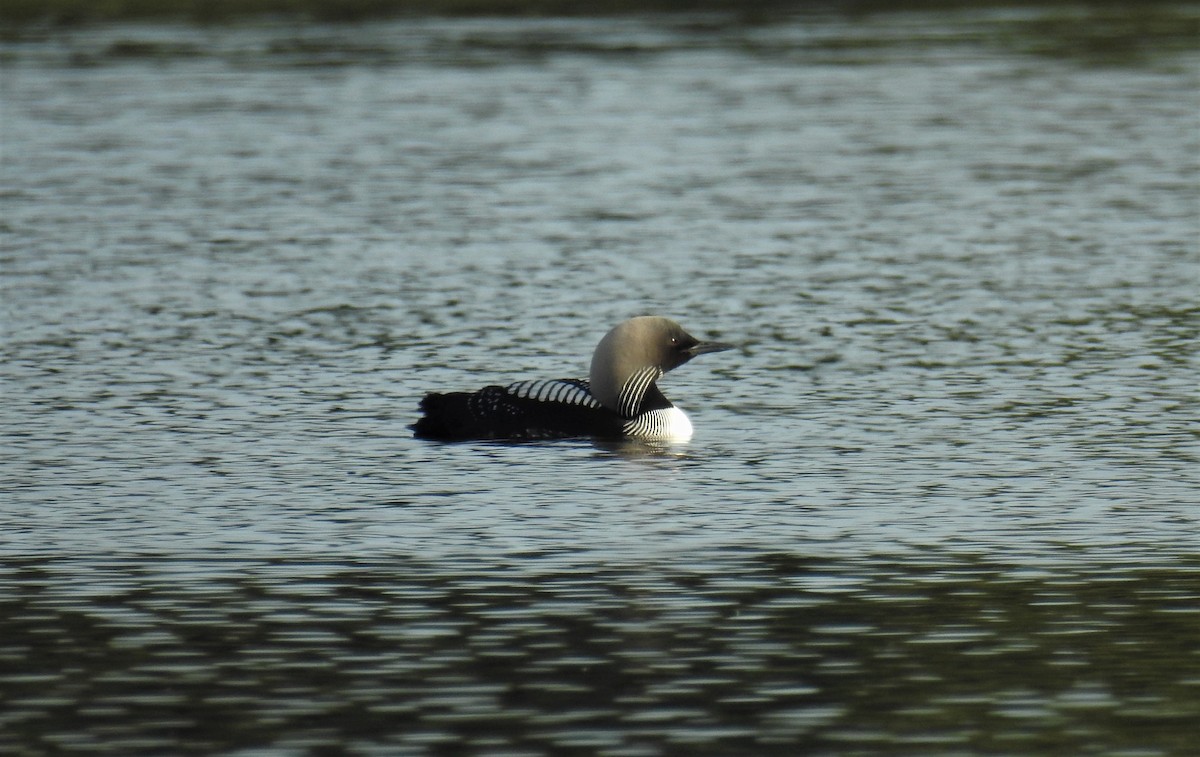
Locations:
(553, 409)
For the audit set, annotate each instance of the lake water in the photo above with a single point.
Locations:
(943, 499)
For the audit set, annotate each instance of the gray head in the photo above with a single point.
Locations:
(635, 354)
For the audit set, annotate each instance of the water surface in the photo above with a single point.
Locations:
(943, 499)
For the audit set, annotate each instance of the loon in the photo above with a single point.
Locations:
(620, 398)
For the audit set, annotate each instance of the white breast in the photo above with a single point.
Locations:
(666, 425)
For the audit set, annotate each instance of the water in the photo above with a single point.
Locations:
(943, 499)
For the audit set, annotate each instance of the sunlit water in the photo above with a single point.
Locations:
(943, 499)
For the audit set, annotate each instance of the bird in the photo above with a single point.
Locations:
(619, 399)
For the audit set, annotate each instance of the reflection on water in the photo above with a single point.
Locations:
(941, 499)
(755, 653)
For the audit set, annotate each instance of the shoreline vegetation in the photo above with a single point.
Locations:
(72, 12)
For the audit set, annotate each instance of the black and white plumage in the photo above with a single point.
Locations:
(620, 398)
